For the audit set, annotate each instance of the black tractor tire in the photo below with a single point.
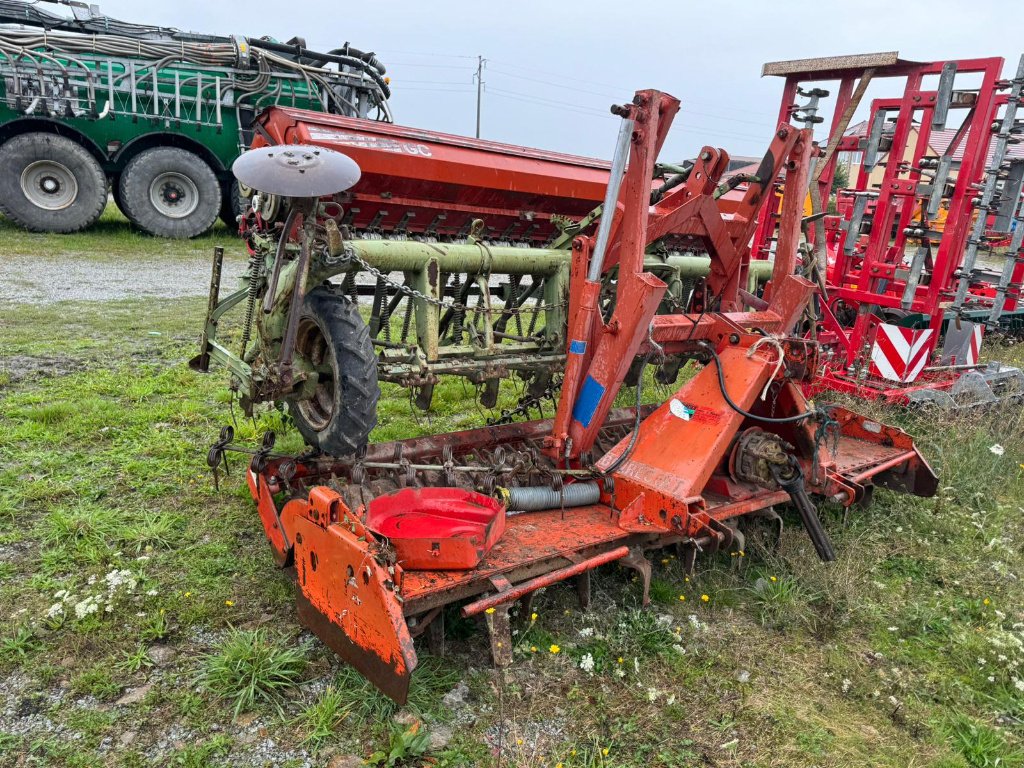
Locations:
(333, 337)
(170, 192)
(232, 205)
(50, 183)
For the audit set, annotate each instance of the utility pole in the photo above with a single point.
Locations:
(480, 61)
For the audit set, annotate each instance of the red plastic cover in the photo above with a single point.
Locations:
(437, 528)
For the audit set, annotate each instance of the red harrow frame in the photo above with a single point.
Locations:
(903, 272)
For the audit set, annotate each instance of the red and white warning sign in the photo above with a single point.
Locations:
(900, 354)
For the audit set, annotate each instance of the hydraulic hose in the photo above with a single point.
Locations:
(732, 404)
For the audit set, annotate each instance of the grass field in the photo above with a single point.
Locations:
(144, 624)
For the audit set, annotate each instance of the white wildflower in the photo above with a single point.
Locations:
(894, 629)
(587, 632)
(679, 649)
(652, 694)
(86, 607)
(57, 609)
(1018, 684)
(152, 593)
(743, 676)
(671, 700)
(587, 663)
(847, 684)
(59, 594)
(997, 449)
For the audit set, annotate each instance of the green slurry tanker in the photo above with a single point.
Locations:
(91, 106)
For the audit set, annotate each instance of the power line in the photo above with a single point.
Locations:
(682, 109)
(428, 53)
(583, 110)
(414, 64)
(588, 113)
(618, 89)
(552, 102)
(403, 82)
(416, 89)
(553, 84)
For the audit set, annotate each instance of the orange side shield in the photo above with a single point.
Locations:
(346, 597)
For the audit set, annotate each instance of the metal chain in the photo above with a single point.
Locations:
(457, 306)
(526, 402)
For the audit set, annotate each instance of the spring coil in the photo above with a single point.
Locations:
(250, 300)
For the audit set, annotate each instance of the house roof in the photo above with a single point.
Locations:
(939, 141)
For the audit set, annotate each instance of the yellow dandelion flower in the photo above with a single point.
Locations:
(986, 601)
(489, 611)
(605, 751)
(572, 752)
(229, 603)
(533, 616)
(519, 742)
(773, 578)
(554, 648)
(533, 649)
(188, 594)
(621, 660)
(705, 598)
(664, 561)
(682, 597)
(742, 553)
(559, 765)
(686, 579)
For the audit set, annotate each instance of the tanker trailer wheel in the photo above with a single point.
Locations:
(50, 183)
(332, 337)
(232, 206)
(170, 192)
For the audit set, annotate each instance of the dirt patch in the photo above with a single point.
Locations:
(15, 368)
(37, 280)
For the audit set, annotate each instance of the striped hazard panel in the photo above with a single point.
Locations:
(900, 354)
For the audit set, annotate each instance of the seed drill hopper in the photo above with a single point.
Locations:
(381, 538)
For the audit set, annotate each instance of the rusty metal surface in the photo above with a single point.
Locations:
(833, 66)
(537, 540)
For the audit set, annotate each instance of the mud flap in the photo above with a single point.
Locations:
(345, 596)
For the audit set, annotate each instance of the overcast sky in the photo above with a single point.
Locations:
(553, 68)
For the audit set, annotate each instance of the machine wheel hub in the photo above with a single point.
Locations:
(174, 195)
(49, 184)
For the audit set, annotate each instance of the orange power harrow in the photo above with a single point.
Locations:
(381, 542)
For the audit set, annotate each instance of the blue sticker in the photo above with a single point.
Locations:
(577, 347)
(588, 400)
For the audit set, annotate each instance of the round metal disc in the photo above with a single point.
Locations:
(295, 170)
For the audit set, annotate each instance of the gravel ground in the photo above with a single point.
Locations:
(35, 280)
